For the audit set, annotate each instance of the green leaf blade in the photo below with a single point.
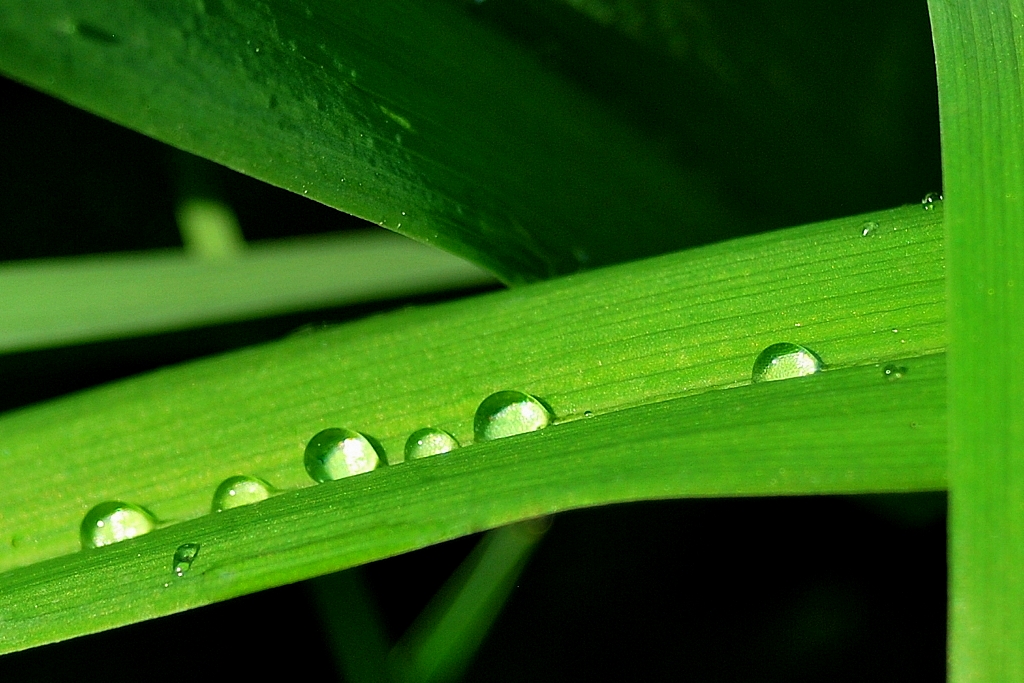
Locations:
(979, 48)
(845, 431)
(659, 352)
(67, 301)
(598, 342)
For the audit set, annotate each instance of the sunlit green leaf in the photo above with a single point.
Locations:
(646, 367)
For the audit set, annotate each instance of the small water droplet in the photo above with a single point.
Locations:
(894, 372)
(928, 202)
(588, 413)
(784, 361)
(336, 453)
(184, 556)
(114, 521)
(429, 441)
(507, 413)
(238, 491)
(868, 228)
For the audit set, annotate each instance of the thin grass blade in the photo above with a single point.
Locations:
(355, 630)
(979, 48)
(68, 301)
(844, 431)
(441, 643)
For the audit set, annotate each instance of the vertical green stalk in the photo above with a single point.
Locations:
(979, 48)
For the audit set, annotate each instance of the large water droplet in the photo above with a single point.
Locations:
(429, 441)
(184, 556)
(507, 413)
(868, 228)
(783, 361)
(336, 453)
(238, 491)
(114, 521)
(928, 203)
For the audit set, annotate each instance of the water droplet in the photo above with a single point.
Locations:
(588, 413)
(868, 228)
(429, 441)
(336, 453)
(507, 413)
(894, 372)
(928, 203)
(783, 361)
(238, 491)
(114, 521)
(184, 556)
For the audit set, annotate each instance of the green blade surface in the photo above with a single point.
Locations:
(850, 431)
(66, 301)
(979, 47)
(638, 346)
(405, 113)
(596, 342)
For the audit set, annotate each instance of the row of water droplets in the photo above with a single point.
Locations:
(338, 452)
(331, 454)
(928, 203)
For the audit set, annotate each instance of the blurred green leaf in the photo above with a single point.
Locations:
(800, 111)
(407, 114)
(73, 300)
(441, 643)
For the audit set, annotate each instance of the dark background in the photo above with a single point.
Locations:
(801, 111)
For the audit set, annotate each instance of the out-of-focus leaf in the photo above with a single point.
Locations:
(405, 113)
(73, 300)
